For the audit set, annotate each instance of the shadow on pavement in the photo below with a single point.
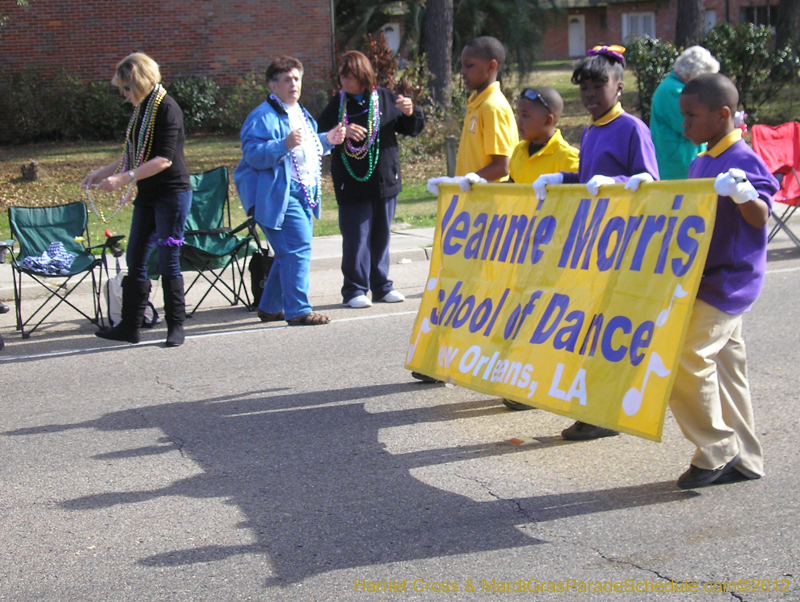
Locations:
(319, 490)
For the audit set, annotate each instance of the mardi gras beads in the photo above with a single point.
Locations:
(371, 147)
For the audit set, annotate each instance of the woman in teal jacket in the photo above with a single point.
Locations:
(278, 183)
(674, 152)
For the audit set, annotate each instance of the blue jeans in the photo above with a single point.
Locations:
(287, 285)
(155, 222)
(366, 228)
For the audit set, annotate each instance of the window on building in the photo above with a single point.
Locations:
(761, 15)
(638, 24)
(711, 20)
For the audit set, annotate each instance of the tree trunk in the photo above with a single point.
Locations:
(438, 28)
(786, 26)
(690, 23)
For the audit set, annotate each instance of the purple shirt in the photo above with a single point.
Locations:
(618, 149)
(737, 256)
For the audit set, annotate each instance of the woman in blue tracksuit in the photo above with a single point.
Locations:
(278, 183)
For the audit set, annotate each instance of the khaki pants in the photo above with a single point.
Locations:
(711, 397)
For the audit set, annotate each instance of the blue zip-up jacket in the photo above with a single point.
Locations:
(262, 176)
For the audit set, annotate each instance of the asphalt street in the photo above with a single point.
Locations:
(267, 462)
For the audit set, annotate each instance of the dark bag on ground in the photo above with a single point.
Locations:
(260, 265)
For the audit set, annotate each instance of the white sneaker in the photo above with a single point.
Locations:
(393, 297)
(359, 302)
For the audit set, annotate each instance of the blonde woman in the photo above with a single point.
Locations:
(154, 167)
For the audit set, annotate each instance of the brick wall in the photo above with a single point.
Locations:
(223, 39)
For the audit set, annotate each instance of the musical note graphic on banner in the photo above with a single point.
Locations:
(632, 402)
(664, 313)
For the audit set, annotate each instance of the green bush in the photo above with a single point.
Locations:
(651, 60)
(97, 112)
(200, 99)
(59, 108)
(744, 55)
(241, 99)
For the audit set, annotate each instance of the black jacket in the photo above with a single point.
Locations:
(385, 181)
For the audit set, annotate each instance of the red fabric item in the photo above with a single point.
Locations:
(779, 146)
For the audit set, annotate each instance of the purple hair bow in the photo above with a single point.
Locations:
(613, 52)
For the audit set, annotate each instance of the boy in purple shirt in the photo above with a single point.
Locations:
(616, 147)
(711, 396)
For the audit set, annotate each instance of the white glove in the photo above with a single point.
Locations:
(466, 182)
(595, 182)
(636, 181)
(433, 183)
(545, 180)
(734, 183)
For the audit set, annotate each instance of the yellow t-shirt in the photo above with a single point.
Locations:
(557, 155)
(489, 129)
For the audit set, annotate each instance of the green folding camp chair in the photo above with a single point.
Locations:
(210, 245)
(34, 229)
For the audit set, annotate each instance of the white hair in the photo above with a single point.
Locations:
(693, 61)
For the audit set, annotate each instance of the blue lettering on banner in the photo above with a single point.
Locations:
(518, 238)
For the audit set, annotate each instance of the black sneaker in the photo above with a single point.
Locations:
(4, 309)
(701, 477)
(733, 476)
(516, 406)
(581, 431)
(424, 378)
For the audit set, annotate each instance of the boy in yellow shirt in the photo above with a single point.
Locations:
(542, 149)
(489, 134)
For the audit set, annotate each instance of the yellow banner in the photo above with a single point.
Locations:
(574, 305)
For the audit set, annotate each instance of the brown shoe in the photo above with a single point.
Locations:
(265, 317)
(312, 319)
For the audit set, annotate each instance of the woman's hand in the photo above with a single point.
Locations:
(404, 105)
(92, 179)
(115, 182)
(356, 132)
(336, 135)
(294, 139)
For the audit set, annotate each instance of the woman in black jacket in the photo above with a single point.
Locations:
(152, 166)
(366, 175)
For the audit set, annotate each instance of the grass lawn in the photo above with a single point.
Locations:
(63, 165)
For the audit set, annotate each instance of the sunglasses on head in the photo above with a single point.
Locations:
(533, 96)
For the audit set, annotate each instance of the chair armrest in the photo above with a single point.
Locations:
(6, 246)
(111, 244)
(211, 231)
(240, 227)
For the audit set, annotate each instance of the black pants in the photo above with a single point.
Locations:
(365, 231)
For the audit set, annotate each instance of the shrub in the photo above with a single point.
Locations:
(59, 108)
(200, 99)
(96, 111)
(651, 61)
(743, 54)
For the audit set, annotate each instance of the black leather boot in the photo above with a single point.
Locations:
(174, 310)
(134, 300)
